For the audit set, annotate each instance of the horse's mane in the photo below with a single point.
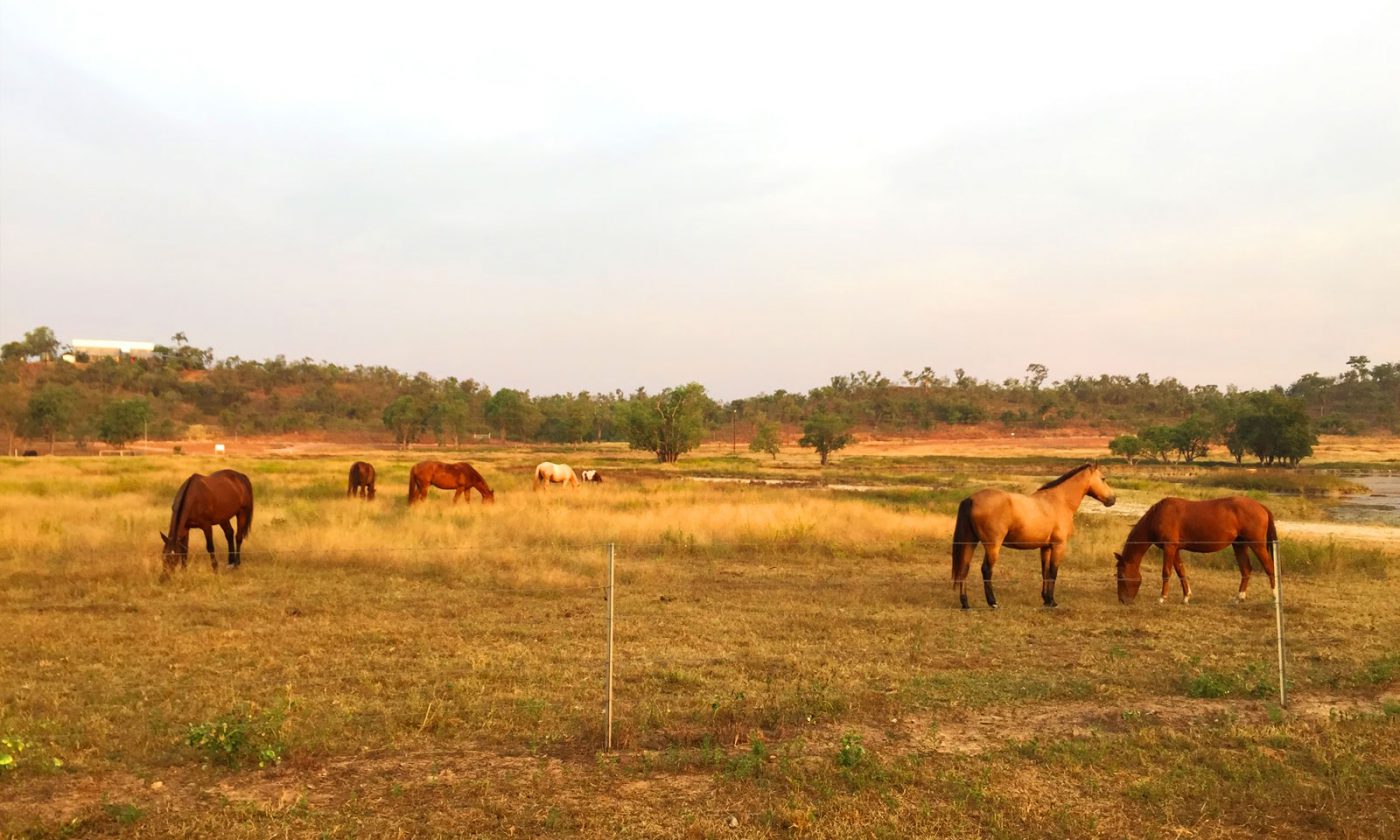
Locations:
(178, 506)
(1067, 476)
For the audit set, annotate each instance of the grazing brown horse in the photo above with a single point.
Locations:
(203, 502)
(1043, 520)
(1177, 525)
(361, 481)
(460, 476)
(593, 476)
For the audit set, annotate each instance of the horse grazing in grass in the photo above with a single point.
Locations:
(361, 481)
(547, 473)
(460, 476)
(1177, 525)
(593, 476)
(203, 502)
(1043, 520)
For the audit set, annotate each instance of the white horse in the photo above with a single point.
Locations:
(547, 473)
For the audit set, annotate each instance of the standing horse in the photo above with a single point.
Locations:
(1177, 525)
(593, 476)
(547, 473)
(361, 481)
(203, 502)
(460, 476)
(1043, 520)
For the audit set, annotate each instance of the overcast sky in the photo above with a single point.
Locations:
(755, 196)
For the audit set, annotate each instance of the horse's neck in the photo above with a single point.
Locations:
(1138, 542)
(1069, 494)
(180, 516)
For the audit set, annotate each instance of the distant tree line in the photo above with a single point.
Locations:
(181, 385)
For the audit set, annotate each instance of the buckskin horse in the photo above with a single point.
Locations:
(460, 476)
(1044, 520)
(361, 481)
(1177, 525)
(201, 503)
(548, 473)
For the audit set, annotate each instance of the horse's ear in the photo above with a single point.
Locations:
(1118, 556)
(163, 537)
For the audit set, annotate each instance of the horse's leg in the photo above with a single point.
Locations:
(1180, 565)
(209, 543)
(1047, 589)
(1167, 567)
(1265, 553)
(227, 528)
(458, 495)
(1242, 560)
(989, 559)
(1050, 570)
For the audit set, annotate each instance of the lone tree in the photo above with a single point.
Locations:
(825, 433)
(123, 421)
(669, 424)
(406, 419)
(1127, 447)
(765, 438)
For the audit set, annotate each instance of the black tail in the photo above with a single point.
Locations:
(412, 487)
(1273, 540)
(964, 539)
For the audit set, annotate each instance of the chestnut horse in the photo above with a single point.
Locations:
(201, 503)
(1043, 520)
(547, 473)
(361, 481)
(1177, 525)
(460, 476)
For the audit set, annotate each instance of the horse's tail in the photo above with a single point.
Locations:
(964, 539)
(412, 486)
(1272, 537)
(247, 486)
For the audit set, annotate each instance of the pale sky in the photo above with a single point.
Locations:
(755, 196)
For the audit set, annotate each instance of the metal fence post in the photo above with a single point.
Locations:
(607, 741)
(1278, 620)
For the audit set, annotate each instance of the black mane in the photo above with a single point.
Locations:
(1066, 477)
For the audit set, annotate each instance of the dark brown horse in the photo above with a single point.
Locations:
(1177, 525)
(203, 502)
(460, 476)
(361, 480)
(1043, 520)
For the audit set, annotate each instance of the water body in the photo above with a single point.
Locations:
(1381, 505)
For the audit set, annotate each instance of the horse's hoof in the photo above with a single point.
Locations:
(1162, 600)
(994, 606)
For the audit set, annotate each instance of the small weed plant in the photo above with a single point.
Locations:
(241, 738)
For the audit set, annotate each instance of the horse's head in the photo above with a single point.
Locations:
(174, 550)
(369, 492)
(1129, 578)
(1098, 487)
(488, 497)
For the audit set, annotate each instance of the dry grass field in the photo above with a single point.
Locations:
(789, 661)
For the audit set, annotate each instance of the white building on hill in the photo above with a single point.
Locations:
(99, 348)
